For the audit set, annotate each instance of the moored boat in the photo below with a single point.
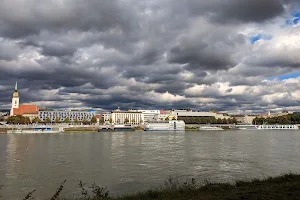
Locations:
(210, 128)
(173, 125)
(277, 127)
(267, 127)
(121, 127)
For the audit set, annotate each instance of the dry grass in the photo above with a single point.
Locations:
(284, 187)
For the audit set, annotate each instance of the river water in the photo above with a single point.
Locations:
(135, 161)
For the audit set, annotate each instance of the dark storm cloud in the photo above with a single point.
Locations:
(57, 50)
(234, 10)
(34, 16)
(140, 54)
(199, 54)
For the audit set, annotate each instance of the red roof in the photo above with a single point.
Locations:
(98, 116)
(26, 109)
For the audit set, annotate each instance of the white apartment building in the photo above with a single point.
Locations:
(133, 117)
(149, 115)
(187, 113)
(106, 116)
(62, 115)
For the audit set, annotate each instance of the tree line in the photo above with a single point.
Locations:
(286, 119)
(19, 119)
(207, 120)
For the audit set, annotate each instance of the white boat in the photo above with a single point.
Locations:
(36, 130)
(278, 127)
(245, 127)
(210, 128)
(173, 125)
(268, 127)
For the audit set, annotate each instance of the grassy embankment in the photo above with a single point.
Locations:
(81, 129)
(281, 187)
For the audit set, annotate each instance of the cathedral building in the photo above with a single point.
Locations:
(27, 110)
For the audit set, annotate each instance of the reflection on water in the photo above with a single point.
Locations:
(132, 161)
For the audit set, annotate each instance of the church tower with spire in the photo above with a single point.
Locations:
(15, 100)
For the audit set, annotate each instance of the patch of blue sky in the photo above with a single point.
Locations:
(286, 76)
(289, 22)
(295, 20)
(255, 38)
(296, 14)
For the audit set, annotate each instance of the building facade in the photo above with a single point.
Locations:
(63, 115)
(106, 117)
(26, 110)
(131, 117)
(149, 115)
(190, 113)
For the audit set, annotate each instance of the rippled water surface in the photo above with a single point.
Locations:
(132, 161)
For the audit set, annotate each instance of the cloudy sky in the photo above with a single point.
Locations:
(229, 55)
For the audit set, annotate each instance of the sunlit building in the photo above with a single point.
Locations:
(63, 115)
(131, 117)
(26, 110)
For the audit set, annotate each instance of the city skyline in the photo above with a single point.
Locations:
(236, 57)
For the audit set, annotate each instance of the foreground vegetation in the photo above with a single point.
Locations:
(281, 187)
(286, 119)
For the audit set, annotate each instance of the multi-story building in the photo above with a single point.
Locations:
(149, 115)
(122, 117)
(278, 114)
(106, 117)
(190, 113)
(244, 119)
(62, 115)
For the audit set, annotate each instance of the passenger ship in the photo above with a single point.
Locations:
(173, 125)
(277, 127)
(268, 127)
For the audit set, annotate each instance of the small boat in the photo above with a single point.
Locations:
(117, 128)
(210, 128)
(172, 125)
(36, 130)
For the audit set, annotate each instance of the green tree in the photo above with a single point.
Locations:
(85, 121)
(174, 118)
(14, 119)
(219, 121)
(101, 119)
(94, 120)
(126, 120)
(110, 120)
(76, 121)
(48, 120)
(67, 120)
(36, 120)
(57, 120)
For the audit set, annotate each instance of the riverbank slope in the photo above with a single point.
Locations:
(281, 187)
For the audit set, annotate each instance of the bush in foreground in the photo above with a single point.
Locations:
(281, 187)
